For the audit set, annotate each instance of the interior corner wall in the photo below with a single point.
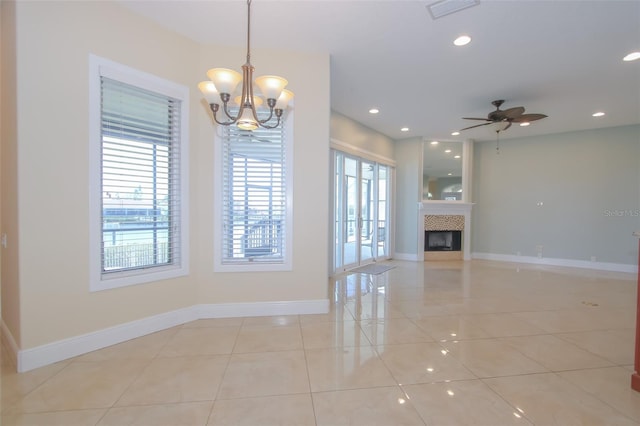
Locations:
(54, 41)
(10, 292)
(52, 214)
(568, 196)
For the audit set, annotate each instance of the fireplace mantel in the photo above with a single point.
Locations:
(446, 208)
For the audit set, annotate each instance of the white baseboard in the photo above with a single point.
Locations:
(28, 359)
(571, 263)
(408, 256)
(259, 309)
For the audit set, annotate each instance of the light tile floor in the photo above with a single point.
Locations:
(444, 343)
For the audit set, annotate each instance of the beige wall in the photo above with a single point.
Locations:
(8, 174)
(54, 40)
(308, 77)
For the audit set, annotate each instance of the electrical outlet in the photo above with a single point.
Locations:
(539, 249)
(593, 259)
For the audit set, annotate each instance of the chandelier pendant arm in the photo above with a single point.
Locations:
(271, 127)
(232, 119)
(271, 103)
(225, 107)
(279, 116)
(215, 108)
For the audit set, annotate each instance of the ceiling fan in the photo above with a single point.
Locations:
(505, 117)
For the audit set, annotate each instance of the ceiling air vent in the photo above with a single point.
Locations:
(447, 7)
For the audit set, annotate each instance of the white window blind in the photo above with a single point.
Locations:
(254, 186)
(140, 158)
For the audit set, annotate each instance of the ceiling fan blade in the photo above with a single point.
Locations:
(512, 113)
(477, 125)
(475, 118)
(524, 118)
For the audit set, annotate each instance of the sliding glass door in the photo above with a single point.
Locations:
(361, 218)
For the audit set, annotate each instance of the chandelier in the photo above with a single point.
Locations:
(222, 84)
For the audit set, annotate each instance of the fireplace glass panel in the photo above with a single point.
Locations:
(442, 240)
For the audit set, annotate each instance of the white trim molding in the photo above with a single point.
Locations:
(28, 359)
(570, 263)
(259, 309)
(363, 153)
(409, 256)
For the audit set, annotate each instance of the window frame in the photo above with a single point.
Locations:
(99, 280)
(247, 265)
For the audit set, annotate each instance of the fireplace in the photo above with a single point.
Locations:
(444, 230)
(443, 240)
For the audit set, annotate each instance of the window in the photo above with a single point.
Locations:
(253, 206)
(138, 182)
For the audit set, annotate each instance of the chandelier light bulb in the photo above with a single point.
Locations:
(224, 80)
(209, 91)
(271, 86)
(284, 99)
(247, 121)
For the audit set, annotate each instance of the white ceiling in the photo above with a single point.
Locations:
(560, 58)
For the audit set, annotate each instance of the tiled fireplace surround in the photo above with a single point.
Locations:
(445, 216)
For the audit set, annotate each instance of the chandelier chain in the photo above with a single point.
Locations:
(248, 31)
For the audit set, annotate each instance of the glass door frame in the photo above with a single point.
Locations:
(373, 245)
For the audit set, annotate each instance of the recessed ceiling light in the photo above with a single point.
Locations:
(455, 133)
(598, 114)
(449, 174)
(404, 129)
(525, 124)
(434, 142)
(462, 40)
(374, 111)
(447, 151)
(457, 156)
(633, 56)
